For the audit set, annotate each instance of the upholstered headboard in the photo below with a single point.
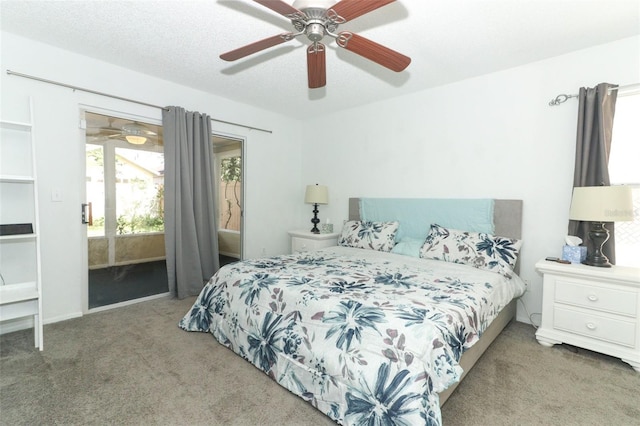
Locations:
(507, 216)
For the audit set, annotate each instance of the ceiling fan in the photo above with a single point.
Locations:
(317, 19)
(134, 133)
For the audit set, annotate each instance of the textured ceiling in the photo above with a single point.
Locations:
(448, 40)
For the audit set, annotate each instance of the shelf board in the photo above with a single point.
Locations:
(15, 125)
(20, 292)
(18, 237)
(17, 179)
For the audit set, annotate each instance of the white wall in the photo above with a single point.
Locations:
(271, 194)
(493, 136)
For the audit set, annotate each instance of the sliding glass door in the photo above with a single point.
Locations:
(229, 183)
(124, 211)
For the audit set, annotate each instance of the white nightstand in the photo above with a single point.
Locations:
(593, 308)
(307, 241)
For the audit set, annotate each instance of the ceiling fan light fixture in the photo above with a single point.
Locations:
(136, 134)
(316, 4)
(135, 140)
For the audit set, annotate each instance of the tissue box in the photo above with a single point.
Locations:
(574, 254)
(326, 228)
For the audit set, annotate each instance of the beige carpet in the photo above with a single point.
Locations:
(134, 366)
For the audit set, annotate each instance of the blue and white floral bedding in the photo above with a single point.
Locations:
(366, 337)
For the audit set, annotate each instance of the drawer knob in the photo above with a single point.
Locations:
(591, 326)
(592, 298)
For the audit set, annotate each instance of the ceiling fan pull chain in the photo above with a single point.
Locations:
(343, 38)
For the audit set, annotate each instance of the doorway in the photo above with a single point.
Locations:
(124, 211)
(228, 158)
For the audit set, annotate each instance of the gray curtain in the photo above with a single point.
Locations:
(593, 144)
(191, 241)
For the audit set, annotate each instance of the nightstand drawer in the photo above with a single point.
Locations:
(303, 244)
(302, 241)
(595, 326)
(600, 298)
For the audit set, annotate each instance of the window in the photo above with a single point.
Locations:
(230, 176)
(125, 185)
(624, 170)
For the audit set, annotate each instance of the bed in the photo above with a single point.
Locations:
(373, 331)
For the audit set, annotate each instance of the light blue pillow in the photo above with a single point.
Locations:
(408, 247)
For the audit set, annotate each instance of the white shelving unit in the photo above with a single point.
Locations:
(20, 263)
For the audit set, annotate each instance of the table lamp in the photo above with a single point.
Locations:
(316, 194)
(599, 204)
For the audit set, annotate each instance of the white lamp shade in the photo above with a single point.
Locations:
(602, 204)
(316, 194)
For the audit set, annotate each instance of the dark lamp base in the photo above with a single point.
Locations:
(315, 220)
(599, 235)
(602, 263)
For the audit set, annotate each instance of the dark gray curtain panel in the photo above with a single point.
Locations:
(191, 241)
(593, 144)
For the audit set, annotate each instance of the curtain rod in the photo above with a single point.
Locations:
(69, 86)
(632, 88)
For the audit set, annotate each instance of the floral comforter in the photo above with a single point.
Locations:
(366, 337)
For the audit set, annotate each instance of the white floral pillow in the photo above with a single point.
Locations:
(369, 235)
(480, 250)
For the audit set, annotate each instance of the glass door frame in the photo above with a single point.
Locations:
(157, 120)
(243, 196)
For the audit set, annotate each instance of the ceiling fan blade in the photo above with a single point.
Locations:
(279, 6)
(103, 130)
(351, 9)
(373, 51)
(256, 47)
(316, 65)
